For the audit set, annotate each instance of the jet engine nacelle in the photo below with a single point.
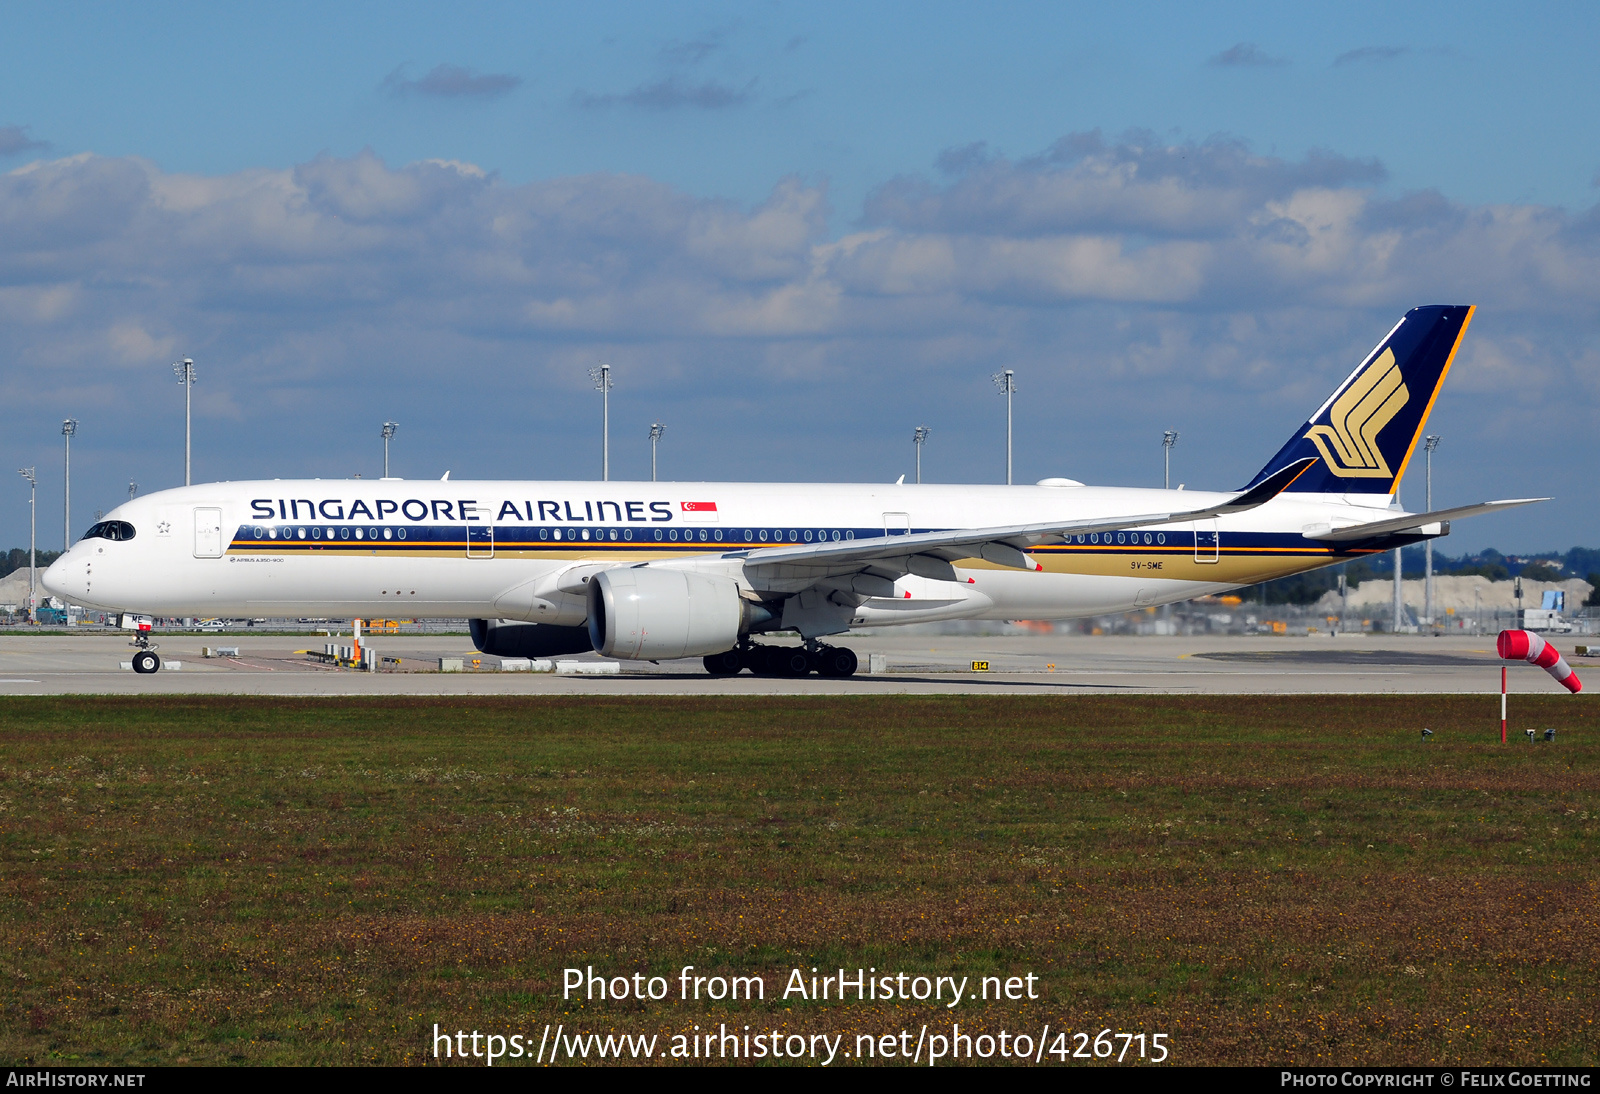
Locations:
(645, 613)
(505, 638)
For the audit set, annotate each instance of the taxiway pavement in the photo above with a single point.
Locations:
(915, 664)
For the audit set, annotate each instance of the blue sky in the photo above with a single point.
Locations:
(797, 231)
(1488, 103)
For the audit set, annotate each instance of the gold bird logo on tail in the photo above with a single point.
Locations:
(1349, 443)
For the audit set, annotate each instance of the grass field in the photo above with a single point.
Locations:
(1294, 879)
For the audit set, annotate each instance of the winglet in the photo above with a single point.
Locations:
(1269, 487)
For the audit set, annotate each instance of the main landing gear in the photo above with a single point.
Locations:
(784, 660)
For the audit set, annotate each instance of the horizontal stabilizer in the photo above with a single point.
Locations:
(1414, 521)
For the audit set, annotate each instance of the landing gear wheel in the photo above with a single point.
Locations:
(837, 661)
(146, 662)
(788, 661)
(727, 663)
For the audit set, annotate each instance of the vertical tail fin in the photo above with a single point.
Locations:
(1364, 434)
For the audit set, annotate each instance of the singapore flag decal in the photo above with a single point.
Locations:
(698, 512)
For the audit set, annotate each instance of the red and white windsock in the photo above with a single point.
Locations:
(1529, 647)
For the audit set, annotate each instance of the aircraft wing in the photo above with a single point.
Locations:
(1004, 545)
(1412, 521)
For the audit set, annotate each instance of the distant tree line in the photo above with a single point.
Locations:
(17, 559)
(1308, 588)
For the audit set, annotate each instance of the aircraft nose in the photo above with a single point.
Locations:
(69, 577)
(54, 578)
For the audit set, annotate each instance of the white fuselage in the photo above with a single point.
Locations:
(487, 549)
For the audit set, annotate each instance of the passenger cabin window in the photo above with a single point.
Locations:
(110, 529)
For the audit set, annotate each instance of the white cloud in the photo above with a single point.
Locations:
(1246, 55)
(446, 243)
(42, 303)
(447, 81)
(15, 139)
(133, 344)
(672, 93)
(1370, 55)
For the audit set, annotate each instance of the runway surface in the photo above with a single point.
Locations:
(915, 664)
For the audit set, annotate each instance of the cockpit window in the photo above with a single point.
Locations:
(110, 529)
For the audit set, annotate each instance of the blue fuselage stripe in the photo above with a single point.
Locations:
(415, 539)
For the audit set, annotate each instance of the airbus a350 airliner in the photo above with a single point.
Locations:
(651, 571)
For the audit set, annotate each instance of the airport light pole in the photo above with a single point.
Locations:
(1429, 443)
(1168, 439)
(184, 370)
(656, 430)
(389, 429)
(1006, 382)
(68, 428)
(133, 489)
(601, 375)
(1398, 564)
(33, 511)
(920, 438)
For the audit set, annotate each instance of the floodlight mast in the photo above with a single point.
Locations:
(920, 438)
(601, 375)
(1168, 439)
(1429, 443)
(656, 430)
(33, 510)
(1399, 566)
(389, 430)
(184, 371)
(68, 428)
(1006, 382)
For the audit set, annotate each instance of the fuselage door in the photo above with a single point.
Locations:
(897, 524)
(208, 533)
(480, 541)
(1207, 541)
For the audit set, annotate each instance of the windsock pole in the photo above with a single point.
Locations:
(1502, 704)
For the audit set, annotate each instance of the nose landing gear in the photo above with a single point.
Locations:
(145, 661)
